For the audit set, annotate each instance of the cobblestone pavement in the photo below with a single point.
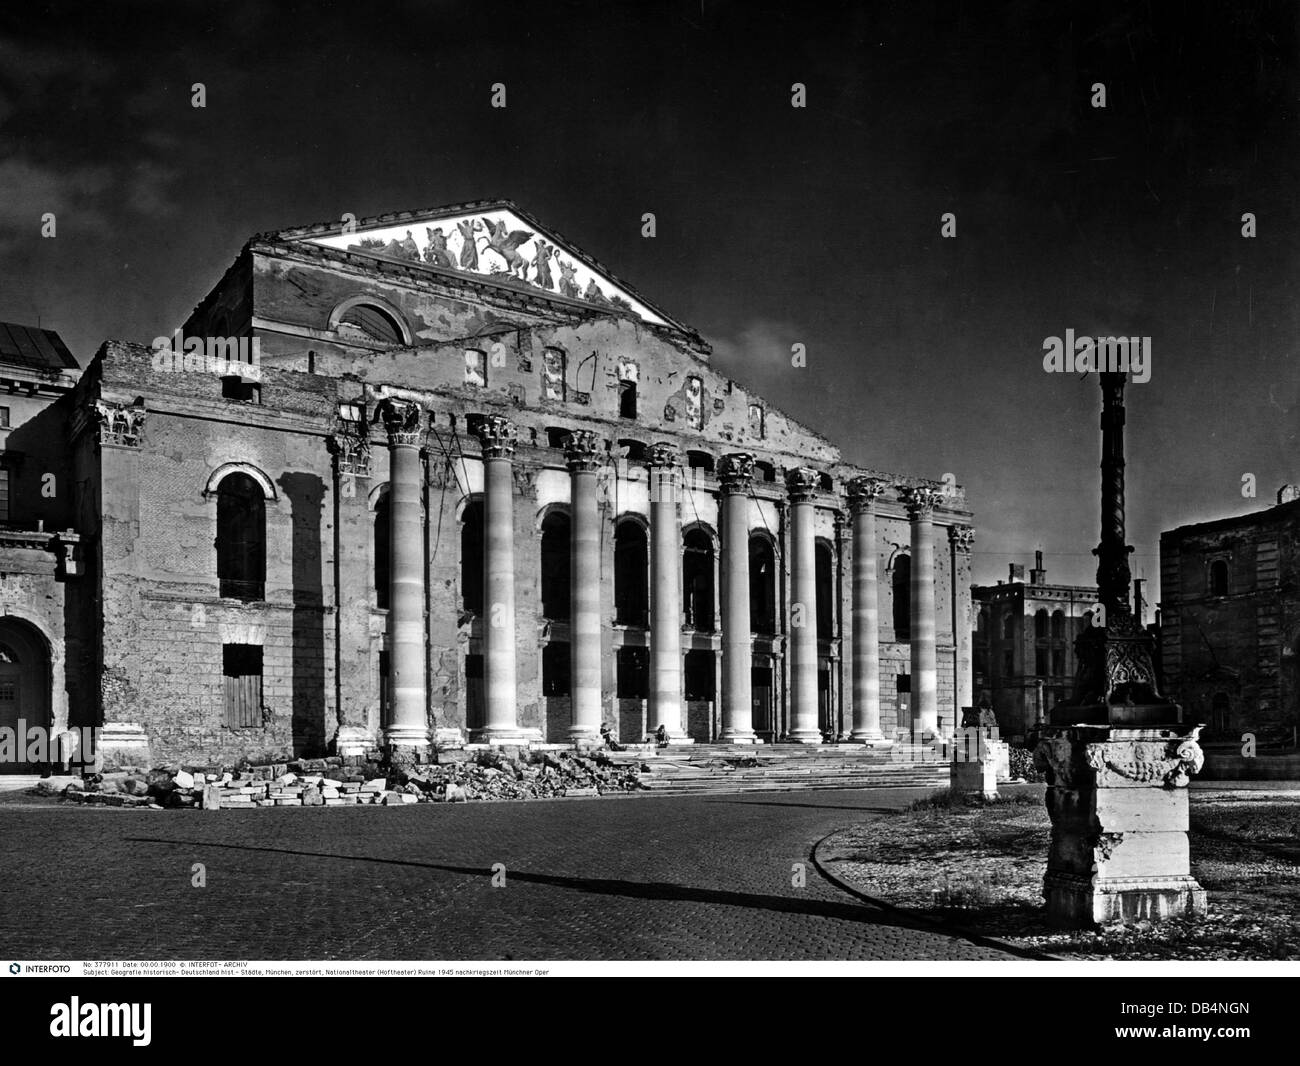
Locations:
(645, 878)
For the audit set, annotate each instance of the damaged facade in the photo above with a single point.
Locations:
(1230, 622)
(475, 488)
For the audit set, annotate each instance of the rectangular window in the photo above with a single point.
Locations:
(4, 494)
(756, 420)
(903, 683)
(699, 676)
(1008, 663)
(555, 669)
(1058, 661)
(4, 418)
(475, 368)
(633, 673)
(627, 399)
(241, 665)
(1040, 661)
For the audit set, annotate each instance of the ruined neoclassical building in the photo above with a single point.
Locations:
(459, 482)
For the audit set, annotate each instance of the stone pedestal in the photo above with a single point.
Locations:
(979, 762)
(1117, 797)
(352, 740)
(118, 744)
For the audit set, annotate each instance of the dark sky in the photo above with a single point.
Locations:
(776, 225)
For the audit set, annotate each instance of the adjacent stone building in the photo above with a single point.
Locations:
(439, 476)
(1230, 622)
(1024, 644)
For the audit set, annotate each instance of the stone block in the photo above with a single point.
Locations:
(211, 797)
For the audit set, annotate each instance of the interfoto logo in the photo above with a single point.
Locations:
(102, 1019)
(223, 356)
(1104, 355)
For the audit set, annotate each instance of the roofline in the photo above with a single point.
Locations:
(334, 228)
(1278, 512)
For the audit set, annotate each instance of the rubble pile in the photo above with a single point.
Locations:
(456, 776)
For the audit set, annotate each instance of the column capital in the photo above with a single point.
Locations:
(351, 449)
(962, 538)
(863, 492)
(498, 436)
(663, 454)
(404, 420)
(920, 500)
(582, 452)
(802, 483)
(736, 472)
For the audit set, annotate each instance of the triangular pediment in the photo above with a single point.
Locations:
(493, 241)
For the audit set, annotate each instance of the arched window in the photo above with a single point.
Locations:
(371, 323)
(383, 534)
(901, 584)
(241, 537)
(825, 591)
(631, 574)
(471, 557)
(1040, 624)
(555, 566)
(697, 580)
(1058, 625)
(1218, 578)
(762, 586)
(1008, 626)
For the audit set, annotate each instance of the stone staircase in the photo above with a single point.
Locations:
(703, 769)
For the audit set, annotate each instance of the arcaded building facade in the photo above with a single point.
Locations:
(438, 477)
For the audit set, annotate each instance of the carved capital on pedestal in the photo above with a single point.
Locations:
(863, 492)
(404, 420)
(802, 484)
(662, 454)
(119, 423)
(920, 500)
(736, 472)
(1126, 759)
(351, 450)
(498, 437)
(962, 538)
(582, 452)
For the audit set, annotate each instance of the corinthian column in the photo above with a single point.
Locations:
(960, 541)
(408, 720)
(497, 435)
(921, 502)
(736, 472)
(803, 484)
(583, 454)
(665, 595)
(863, 492)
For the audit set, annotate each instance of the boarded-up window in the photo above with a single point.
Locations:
(475, 368)
(553, 374)
(242, 669)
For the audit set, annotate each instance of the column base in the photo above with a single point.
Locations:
(585, 738)
(351, 740)
(119, 744)
(803, 736)
(738, 736)
(506, 736)
(1081, 901)
(872, 738)
(407, 736)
